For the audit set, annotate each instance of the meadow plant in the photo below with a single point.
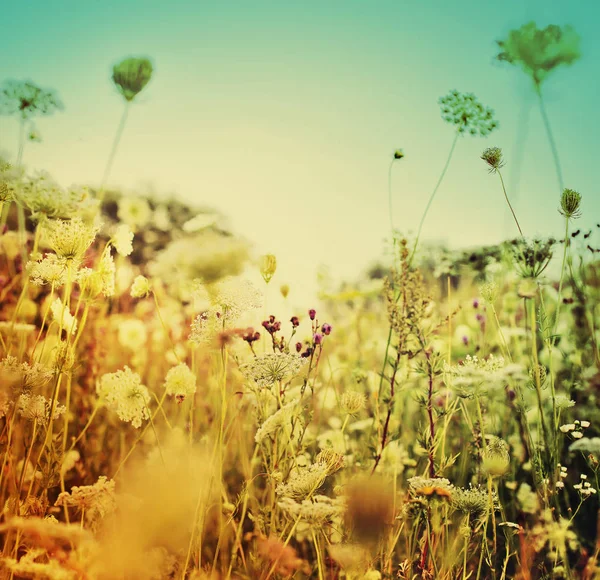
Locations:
(436, 418)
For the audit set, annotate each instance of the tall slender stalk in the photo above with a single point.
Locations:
(545, 118)
(113, 150)
(433, 193)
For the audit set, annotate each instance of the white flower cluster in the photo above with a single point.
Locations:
(64, 318)
(476, 371)
(180, 382)
(140, 287)
(304, 481)
(49, 269)
(277, 422)
(316, 511)
(96, 501)
(575, 428)
(234, 296)
(70, 239)
(123, 239)
(123, 392)
(37, 408)
(268, 369)
(584, 487)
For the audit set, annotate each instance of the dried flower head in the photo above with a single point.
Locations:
(331, 458)
(467, 114)
(352, 402)
(95, 501)
(532, 257)
(304, 481)
(539, 51)
(27, 99)
(570, 202)
(37, 408)
(493, 157)
(131, 75)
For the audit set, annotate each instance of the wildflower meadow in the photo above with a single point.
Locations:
(166, 412)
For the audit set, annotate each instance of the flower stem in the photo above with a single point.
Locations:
(435, 189)
(113, 150)
(509, 204)
(551, 140)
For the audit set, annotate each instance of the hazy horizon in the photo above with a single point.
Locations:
(284, 117)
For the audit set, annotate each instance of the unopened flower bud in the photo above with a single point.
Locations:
(493, 157)
(312, 313)
(268, 265)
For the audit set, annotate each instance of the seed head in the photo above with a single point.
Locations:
(570, 202)
(493, 157)
(352, 402)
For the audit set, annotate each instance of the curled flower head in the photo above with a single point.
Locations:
(496, 457)
(532, 257)
(493, 157)
(27, 99)
(570, 203)
(131, 76)
(538, 51)
(140, 287)
(467, 114)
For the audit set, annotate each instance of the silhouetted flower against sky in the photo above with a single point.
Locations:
(539, 51)
(131, 75)
(468, 115)
(27, 99)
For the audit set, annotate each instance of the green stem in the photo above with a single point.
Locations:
(538, 90)
(113, 150)
(560, 283)
(508, 202)
(435, 189)
(390, 196)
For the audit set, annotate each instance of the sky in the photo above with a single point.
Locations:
(284, 116)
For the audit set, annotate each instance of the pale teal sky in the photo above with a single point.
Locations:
(284, 115)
